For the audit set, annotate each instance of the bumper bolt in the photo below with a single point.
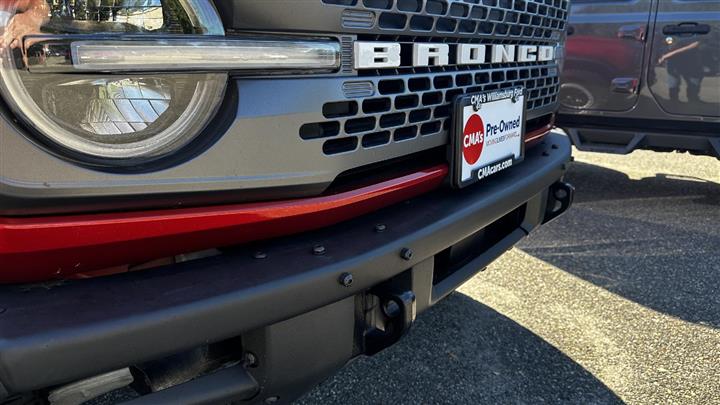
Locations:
(318, 250)
(250, 360)
(554, 146)
(346, 279)
(380, 228)
(260, 255)
(406, 253)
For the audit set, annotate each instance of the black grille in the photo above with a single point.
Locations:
(538, 19)
(410, 106)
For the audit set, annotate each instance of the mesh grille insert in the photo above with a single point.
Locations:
(340, 145)
(319, 130)
(424, 109)
(405, 102)
(538, 19)
(376, 139)
(360, 125)
(340, 109)
(391, 87)
(430, 128)
(376, 105)
(405, 133)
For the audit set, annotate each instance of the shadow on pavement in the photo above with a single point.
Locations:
(655, 241)
(597, 183)
(462, 351)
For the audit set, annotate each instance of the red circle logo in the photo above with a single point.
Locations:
(473, 139)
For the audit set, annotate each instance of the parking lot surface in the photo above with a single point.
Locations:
(617, 301)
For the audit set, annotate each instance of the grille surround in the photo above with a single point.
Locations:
(321, 144)
(424, 95)
(425, 103)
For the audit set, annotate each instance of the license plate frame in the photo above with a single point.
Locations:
(502, 113)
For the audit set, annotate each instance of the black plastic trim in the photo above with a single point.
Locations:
(224, 386)
(624, 141)
(449, 284)
(675, 126)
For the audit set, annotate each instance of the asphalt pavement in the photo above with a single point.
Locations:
(617, 301)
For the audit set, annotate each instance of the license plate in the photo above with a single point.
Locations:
(487, 135)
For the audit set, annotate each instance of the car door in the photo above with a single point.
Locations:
(684, 70)
(604, 54)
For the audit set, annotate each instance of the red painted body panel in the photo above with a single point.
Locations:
(537, 134)
(34, 249)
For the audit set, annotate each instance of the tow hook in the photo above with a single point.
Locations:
(400, 310)
(560, 198)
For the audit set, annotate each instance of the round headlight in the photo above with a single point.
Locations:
(115, 115)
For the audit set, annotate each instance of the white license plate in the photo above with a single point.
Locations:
(487, 135)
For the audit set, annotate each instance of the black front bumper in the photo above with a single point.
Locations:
(55, 335)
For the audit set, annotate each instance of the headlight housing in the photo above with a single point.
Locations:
(116, 117)
(122, 80)
(119, 116)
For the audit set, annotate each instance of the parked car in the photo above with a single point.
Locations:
(227, 201)
(643, 74)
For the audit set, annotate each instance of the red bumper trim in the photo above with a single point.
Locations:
(34, 249)
(538, 133)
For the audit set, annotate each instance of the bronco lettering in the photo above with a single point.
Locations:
(376, 55)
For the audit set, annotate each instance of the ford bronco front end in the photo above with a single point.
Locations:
(227, 201)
